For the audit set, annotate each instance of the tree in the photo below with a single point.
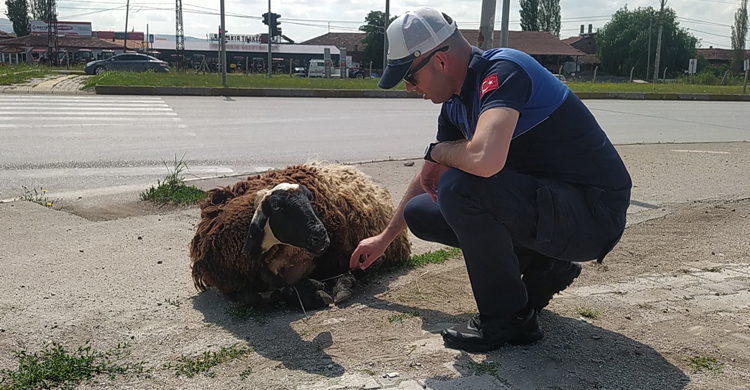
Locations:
(17, 12)
(529, 15)
(549, 16)
(623, 43)
(739, 35)
(374, 37)
(43, 9)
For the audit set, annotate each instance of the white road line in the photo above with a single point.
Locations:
(48, 104)
(111, 172)
(55, 108)
(76, 97)
(700, 151)
(93, 118)
(82, 112)
(68, 125)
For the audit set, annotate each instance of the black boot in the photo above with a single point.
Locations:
(483, 333)
(546, 277)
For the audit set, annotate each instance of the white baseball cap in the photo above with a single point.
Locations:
(411, 35)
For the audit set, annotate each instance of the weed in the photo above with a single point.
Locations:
(647, 306)
(56, 367)
(173, 189)
(369, 372)
(712, 269)
(38, 197)
(242, 313)
(401, 317)
(246, 373)
(202, 364)
(587, 312)
(704, 363)
(485, 367)
(174, 303)
(434, 257)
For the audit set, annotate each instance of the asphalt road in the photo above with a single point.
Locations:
(94, 145)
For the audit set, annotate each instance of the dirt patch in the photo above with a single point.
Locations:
(675, 288)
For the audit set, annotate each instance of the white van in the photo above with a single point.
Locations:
(317, 68)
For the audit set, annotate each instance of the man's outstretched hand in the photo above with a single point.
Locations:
(368, 250)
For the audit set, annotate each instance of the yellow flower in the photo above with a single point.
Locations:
(44, 191)
(49, 204)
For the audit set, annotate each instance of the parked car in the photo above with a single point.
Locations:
(133, 62)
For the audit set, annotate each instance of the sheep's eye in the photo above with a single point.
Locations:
(276, 207)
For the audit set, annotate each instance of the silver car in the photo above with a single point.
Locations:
(129, 62)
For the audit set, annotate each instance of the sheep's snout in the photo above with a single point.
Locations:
(318, 241)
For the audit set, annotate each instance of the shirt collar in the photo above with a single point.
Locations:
(477, 65)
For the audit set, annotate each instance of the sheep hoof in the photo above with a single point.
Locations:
(309, 285)
(312, 300)
(343, 288)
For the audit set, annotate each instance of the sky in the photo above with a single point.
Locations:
(708, 20)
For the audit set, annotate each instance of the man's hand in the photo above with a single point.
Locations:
(430, 176)
(369, 249)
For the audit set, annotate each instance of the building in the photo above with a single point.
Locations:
(32, 48)
(244, 55)
(352, 42)
(587, 44)
(545, 47)
(719, 56)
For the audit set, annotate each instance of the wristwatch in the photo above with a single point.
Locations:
(428, 152)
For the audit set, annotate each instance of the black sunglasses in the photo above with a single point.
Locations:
(409, 78)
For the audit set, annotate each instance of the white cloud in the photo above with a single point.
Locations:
(313, 18)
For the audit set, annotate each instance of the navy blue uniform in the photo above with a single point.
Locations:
(563, 193)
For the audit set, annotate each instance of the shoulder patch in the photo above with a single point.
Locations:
(489, 84)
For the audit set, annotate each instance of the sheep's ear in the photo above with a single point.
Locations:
(254, 237)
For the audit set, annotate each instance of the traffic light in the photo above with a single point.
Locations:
(275, 30)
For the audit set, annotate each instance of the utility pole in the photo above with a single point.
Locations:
(648, 62)
(148, 43)
(127, 12)
(658, 40)
(270, 56)
(504, 25)
(487, 24)
(223, 47)
(385, 33)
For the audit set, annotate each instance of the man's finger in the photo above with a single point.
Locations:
(354, 260)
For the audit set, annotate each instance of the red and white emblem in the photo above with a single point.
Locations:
(489, 84)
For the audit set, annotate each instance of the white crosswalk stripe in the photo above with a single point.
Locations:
(24, 111)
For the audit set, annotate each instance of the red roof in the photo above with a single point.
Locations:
(5, 35)
(529, 42)
(350, 41)
(64, 42)
(713, 54)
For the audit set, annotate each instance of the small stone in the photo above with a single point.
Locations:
(80, 250)
(597, 361)
(713, 253)
(158, 304)
(2, 330)
(391, 375)
(596, 337)
(132, 337)
(330, 366)
(409, 164)
(628, 317)
(159, 262)
(140, 238)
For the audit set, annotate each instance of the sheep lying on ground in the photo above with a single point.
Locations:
(293, 227)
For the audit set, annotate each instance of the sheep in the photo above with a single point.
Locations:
(297, 227)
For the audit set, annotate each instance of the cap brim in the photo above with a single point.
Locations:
(393, 75)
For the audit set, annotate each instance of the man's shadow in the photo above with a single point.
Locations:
(573, 354)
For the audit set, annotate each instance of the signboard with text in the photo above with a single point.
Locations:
(236, 38)
(693, 67)
(64, 29)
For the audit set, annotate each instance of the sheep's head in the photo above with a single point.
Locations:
(284, 215)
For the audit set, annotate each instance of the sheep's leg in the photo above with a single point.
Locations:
(343, 288)
(311, 293)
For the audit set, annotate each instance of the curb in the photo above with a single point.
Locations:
(345, 93)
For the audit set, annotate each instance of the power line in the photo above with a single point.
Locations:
(709, 33)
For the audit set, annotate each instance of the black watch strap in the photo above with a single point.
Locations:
(428, 152)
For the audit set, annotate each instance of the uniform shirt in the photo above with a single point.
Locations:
(564, 142)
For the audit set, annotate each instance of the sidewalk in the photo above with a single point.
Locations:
(63, 84)
(677, 286)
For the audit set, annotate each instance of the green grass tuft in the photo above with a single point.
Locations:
(485, 367)
(54, 367)
(246, 373)
(704, 363)
(587, 312)
(18, 74)
(189, 366)
(173, 189)
(401, 317)
(435, 257)
(242, 313)
(39, 197)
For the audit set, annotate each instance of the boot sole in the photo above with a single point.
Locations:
(522, 339)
